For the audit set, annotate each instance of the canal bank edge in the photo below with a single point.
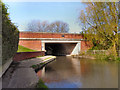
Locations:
(45, 61)
(24, 76)
(83, 56)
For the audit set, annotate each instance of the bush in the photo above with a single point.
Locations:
(82, 53)
(10, 36)
(118, 58)
(102, 54)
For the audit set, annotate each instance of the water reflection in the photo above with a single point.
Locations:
(79, 73)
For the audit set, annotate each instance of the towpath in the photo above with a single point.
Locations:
(22, 75)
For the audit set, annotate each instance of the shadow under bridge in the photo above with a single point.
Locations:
(58, 48)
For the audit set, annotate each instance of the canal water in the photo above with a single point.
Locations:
(68, 72)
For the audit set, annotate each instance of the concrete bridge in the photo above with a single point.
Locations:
(54, 43)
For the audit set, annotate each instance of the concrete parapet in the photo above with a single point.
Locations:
(5, 66)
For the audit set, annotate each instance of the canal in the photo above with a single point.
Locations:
(68, 72)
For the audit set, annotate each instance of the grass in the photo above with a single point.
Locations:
(34, 66)
(41, 84)
(24, 49)
(42, 63)
(39, 56)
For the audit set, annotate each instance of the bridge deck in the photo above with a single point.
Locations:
(53, 39)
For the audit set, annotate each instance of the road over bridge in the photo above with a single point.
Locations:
(54, 43)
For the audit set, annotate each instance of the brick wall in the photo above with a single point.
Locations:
(49, 35)
(32, 44)
(85, 45)
(26, 55)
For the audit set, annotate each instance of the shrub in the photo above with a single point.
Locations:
(118, 58)
(82, 53)
(102, 55)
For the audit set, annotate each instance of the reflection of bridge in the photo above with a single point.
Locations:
(54, 43)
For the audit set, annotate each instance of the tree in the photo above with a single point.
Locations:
(100, 23)
(57, 26)
(37, 26)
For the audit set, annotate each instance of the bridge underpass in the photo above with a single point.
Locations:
(61, 47)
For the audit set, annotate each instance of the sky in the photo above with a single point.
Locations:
(21, 13)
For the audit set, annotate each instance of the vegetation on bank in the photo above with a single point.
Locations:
(37, 65)
(10, 35)
(41, 85)
(99, 22)
(100, 55)
(24, 49)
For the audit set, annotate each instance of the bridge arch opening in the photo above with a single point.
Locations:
(59, 48)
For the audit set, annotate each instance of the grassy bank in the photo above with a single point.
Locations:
(24, 49)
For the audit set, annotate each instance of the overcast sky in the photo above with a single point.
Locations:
(23, 12)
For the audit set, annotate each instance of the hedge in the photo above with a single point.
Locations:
(10, 36)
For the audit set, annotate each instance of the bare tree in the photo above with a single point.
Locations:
(57, 26)
(35, 26)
